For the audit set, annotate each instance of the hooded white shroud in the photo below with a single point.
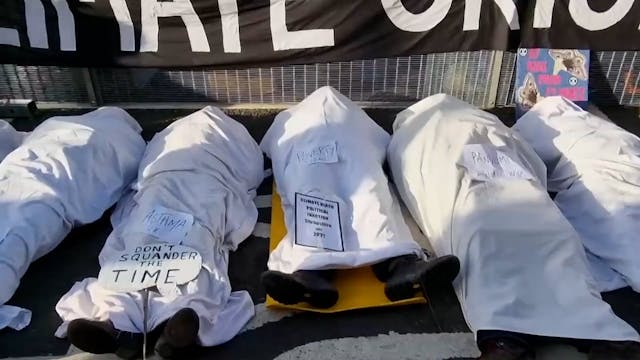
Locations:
(594, 166)
(67, 172)
(205, 165)
(327, 157)
(478, 191)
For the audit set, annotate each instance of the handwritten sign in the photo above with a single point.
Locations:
(318, 223)
(319, 154)
(167, 224)
(484, 162)
(161, 265)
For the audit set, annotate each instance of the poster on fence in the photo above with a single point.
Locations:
(545, 72)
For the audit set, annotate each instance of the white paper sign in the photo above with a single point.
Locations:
(485, 162)
(161, 265)
(319, 154)
(167, 225)
(318, 223)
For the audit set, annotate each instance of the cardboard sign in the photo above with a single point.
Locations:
(484, 162)
(318, 223)
(167, 224)
(161, 265)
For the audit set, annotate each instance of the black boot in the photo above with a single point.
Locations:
(180, 335)
(313, 287)
(615, 350)
(404, 275)
(505, 349)
(100, 337)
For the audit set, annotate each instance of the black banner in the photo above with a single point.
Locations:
(581, 24)
(243, 33)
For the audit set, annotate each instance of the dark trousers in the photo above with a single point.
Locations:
(530, 341)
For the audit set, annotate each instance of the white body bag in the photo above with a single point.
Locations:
(204, 167)
(67, 172)
(327, 157)
(478, 191)
(594, 166)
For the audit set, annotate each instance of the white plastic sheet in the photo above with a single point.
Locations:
(9, 138)
(594, 166)
(207, 166)
(523, 267)
(67, 172)
(327, 157)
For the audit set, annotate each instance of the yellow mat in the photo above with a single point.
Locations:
(358, 288)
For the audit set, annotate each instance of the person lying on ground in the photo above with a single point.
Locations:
(66, 173)
(205, 168)
(478, 191)
(327, 157)
(594, 167)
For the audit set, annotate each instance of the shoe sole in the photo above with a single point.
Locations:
(442, 272)
(286, 290)
(91, 338)
(182, 328)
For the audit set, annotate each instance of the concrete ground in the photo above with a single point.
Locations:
(413, 332)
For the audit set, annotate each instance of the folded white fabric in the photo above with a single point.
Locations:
(67, 172)
(205, 167)
(327, 157)
(594, 166)
(478, 191)
(9, 138)
(13, 317)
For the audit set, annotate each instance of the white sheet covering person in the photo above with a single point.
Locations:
(594, 166)
(478, 191)
(9, 138)
(206, 165)
(327, 158)
(67, 172)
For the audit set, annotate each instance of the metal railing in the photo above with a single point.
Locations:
(483, 78)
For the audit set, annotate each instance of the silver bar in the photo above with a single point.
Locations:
(419, 77)
(89, 85)
(494, 79)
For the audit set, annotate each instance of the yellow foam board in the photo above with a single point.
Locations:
(358, 288)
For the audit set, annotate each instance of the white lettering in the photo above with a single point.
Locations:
(230, 25)
(125, 24)
(151, 10)
(582, 14)
(408, 21)
(472, 14)
(593, 21)
(66, 25)
(543, 14)
(284, 39)
(9, 37)
(36, 24)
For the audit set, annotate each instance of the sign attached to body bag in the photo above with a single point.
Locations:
(162, 265)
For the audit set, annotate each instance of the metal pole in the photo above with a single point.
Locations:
(494, 80)
(93, 91)
(145, 311)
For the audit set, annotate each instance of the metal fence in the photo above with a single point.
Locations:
(483, 78)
